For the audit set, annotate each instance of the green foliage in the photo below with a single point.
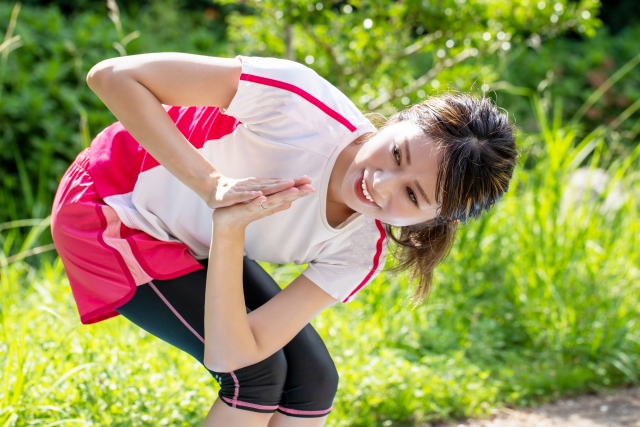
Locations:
(61, 373)
(572, 70)
(388, 54)
(538, 299)
(47, 112)
(620, 14)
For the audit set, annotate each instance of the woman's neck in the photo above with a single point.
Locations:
(337, 211)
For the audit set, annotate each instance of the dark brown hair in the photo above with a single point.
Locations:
(477, 145)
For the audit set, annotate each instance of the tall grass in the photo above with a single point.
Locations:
(538, 299)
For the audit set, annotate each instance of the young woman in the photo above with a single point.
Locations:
(162, 217)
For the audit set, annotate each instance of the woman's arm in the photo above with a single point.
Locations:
(176, 78)
(134, 89)
(233, 338)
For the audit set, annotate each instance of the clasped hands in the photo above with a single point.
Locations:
(236, 202)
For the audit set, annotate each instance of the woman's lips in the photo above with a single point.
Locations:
(360, 194)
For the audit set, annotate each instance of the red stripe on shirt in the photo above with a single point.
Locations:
(304, 94)
(376, 260)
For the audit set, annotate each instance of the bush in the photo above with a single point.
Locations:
(47, 112)
(571, 70)
(387, 54)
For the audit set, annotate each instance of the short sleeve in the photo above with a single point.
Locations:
(349, 264)
(283, 99)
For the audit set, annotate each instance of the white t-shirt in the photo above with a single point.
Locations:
(284, 121)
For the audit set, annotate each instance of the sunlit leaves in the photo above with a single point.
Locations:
(371, 40)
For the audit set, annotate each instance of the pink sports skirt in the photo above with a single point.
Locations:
(104, 259)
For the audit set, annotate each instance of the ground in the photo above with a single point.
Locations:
(620, 408)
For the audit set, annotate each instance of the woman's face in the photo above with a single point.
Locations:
(398, 168)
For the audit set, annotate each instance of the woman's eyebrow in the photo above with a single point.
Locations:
(422, 191)
(408, 156)
(406, 150)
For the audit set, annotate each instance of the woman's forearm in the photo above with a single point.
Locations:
(229, 341)
(142, 114)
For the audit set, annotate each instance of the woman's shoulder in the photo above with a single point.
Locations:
(299, 89)
(353, 261)
(362, 239)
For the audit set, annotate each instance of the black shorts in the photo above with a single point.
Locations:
(300, 380)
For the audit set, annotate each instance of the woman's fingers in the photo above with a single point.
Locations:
(287, 196)
(247, 211)
(306, 187)
(302, 180)
(275, 199)
(272, 185)
(246, 196)
(229, 191)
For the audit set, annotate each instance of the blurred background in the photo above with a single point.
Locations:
(539, 299)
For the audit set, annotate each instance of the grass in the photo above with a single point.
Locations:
(538, 299)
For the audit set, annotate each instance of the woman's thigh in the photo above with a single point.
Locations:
(173, 310)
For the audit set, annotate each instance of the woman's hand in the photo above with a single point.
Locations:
(240, 215)
(221, 191)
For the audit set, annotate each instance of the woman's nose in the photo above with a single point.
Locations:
(383, 183)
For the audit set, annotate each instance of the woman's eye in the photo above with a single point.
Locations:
(412, 196)
(396, 152)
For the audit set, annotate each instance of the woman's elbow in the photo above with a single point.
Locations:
(215, 364)
(218, 361)
(105, 70)
(97, 73)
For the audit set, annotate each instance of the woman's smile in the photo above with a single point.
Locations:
(361, 190)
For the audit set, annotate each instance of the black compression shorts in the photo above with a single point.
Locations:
(299, 380)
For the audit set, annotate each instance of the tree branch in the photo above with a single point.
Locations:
(421, 81)
(429, 75)
(421, 43)
(337, 67)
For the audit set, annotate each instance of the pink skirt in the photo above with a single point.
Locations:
(104, 259)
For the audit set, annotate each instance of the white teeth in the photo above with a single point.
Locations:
(365, 192)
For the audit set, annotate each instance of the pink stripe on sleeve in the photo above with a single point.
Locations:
(304, 94)
(376, 260)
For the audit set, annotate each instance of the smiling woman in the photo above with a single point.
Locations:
(218, 162)
(464, 154)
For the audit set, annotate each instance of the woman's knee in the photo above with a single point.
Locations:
(324, 378)
(256, 387)
(311, 394)
(312, 379)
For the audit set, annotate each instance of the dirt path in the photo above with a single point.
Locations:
(620, 408)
